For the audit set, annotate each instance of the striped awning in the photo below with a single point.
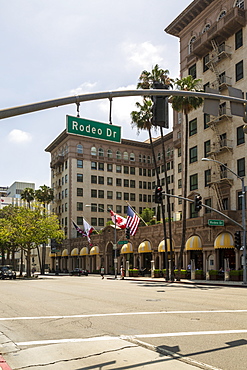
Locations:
(145, 247)
(94, 250)
(74, 252)
(65, 253)
(224, 240)
(52, 255)
(84, 251)
(194, 243)
(127, 248)
(161, 247)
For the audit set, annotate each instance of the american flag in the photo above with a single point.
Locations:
(132, 221)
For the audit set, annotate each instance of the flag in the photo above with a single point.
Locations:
(78, 229)
(87, 230)
(132, 221)
(120, 221)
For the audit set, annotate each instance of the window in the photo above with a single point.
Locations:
(93, 193)
(126, 196)
(101, 180)
(93, 179)
(126, 170)
(140, 158)
(144, 184)
(109, 194)
(93, 150)
(109, 181)
(132, 170)
(179, 167)
(118, 169)
(118, 154)
(101, 166)
(66, 193)
(79, 149)
(206, 119)
(179, 152)
(79, 163)
(140, 171)
(132, 197)
(93, 207)
(101, 193)
(158, 157)
(240, 4)
(193, 127)
(240, 135)
(241, 167)
(206, 27)
(93, 221)
(66, 179)
(193, 39)
(93, 165)
(109, 153)
(119, 182)
(126, 183)
(132, 157)
(79, 220)
(148, 159)
(208, 202)
(79, 192)
(101, 152)
(118, 209)
(79, 206)
(207, 148)
(132, 183)
(179, 183)
(118, 195)
(79, 177)
(207, 177)
(140, 197)
(101, 208)
(192, 71)
(109, 167)
(194, 182)
(238, 39)
(144, 158)
(222, 14)
(239, 70)
(101, 221)
(140, 184)
(126, 156)
(225, 203)
(193, 154)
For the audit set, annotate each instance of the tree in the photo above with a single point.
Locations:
(185, 104)
(144, 121)
(28, 195)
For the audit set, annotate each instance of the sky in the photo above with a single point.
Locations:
(57, 48)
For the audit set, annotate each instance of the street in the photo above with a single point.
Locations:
(50, 322)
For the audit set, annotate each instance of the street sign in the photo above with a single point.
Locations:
(99, 130)
(216, 222)
(123, 242)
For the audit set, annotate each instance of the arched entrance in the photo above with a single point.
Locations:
(193, 246)
(145, 253)
(224, 246)
(161, 250)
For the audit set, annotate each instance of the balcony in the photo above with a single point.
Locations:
(222, 177)
(220, 147)
(219, 31)
(57, 161)
(220, 53)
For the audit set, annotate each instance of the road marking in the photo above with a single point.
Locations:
(129, 337)
(115, 314)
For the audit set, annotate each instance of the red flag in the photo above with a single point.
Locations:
(120, 221)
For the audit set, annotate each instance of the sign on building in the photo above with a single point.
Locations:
(98, 130)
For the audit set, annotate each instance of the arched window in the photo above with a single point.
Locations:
(126, 156)
(118, 154)
(140, 158)
(93, 150)
(193, 39)
(101, 152)
(149, 159)
(79, 149)
(132, 157)
(109, 153)
(158, 157)
(240, 4)
(206, 27)
(222, 14)
(144, 158)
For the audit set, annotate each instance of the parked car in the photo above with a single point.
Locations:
(78, 272)
(6, 272)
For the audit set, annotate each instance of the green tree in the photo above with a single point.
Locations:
(147, 214)
(28, 195)
(185, 104)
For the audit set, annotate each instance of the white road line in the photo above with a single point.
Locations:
(116, 314)
(126, 337)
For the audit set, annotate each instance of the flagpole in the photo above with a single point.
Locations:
(136, 213)
(84, 218)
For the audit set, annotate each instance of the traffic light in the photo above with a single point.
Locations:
(160, 107)
(158, 194)
(198, 203)
(127, 232)
(237, 239)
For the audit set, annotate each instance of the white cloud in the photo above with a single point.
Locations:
(84, 88)
(144, 55)
(19, 136)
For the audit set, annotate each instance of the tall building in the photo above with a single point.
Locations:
(17, 188)
(212, 48)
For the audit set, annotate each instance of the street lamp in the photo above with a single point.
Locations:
(115, 240)
(243, 213)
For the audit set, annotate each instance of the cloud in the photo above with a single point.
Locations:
(84, 88)
(19, 136)
(144, 55)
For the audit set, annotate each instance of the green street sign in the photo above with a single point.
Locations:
(123, 242)
(216, 222)
(98, 130)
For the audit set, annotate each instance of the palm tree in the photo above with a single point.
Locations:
(45, 196)
(186, 104)
(28, 195)
(143, 120)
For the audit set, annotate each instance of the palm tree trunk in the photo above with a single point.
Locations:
(184, 209)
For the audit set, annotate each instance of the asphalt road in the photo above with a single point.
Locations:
(45, 320)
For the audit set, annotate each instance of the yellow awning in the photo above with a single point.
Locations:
(74, 252)
(224, 240)
(58, 254)
(52, 255)
(84, 251)
(127, 248)
(94, 250)
(194, 243)
(161, 247)
(144, 247)
(65, 253)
